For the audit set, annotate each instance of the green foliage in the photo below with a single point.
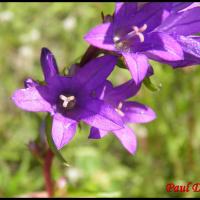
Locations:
(168, 148)
(151, 86)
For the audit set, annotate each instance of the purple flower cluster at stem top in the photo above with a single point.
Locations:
(71, 99)
(163, 31)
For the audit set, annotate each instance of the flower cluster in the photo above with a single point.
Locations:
(159, 31)
(135, 33)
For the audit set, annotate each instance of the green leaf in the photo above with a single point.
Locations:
(52, 146)
(151, 86)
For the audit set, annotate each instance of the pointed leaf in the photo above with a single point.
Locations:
(151, 86)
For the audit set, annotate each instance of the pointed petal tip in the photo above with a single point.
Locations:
(45, 50)
(16, 100)
(60, 146)
(89, 39)
(13, 97)
(101, 36)
(134, 63)
(133, 150)
(48, 63)
(137, 113)
(154, 115)
(63, 130)
(30, 99)
(85, 37)
(127, 138)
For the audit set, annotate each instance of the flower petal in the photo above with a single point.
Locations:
(152, 14)
(182, 23)
(150, 71)
(57, 84)
(30, 99)
(48, 64)
(125, 136)
(95, 72)
(188, 61)
(121, 92)
(138, 66)
(137, 113)
(102, 91)
(30, 83)
(161, 47)
(101, 36)
(191, 47)
(124, 11)
(96, 133)
(99, 114)
(182, 6)
(127, 139)
(63, 130)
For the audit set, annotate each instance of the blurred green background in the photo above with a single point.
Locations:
(168, 148)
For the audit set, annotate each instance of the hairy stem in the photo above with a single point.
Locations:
(47, 172)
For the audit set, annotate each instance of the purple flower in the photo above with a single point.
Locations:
(130, 112)
(183, 26)
(158, 31)
(70, 99)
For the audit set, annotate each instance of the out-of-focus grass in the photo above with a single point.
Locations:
(168, 148)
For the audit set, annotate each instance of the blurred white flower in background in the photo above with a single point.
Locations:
(25, 58)
(74, 174)
(69, 23)
(26, 51)
(32, 36)
(6, 16)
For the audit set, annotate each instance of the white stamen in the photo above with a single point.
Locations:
(66, 100)
(71, 98)
(62, 97)
(118, 109)
(120, 106)
(138, 31)
(141, 37)
(120, 41)
(116, 38)
(119, 112)
(65, 103)
(143, 28)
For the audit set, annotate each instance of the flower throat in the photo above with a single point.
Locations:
(123, 41)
